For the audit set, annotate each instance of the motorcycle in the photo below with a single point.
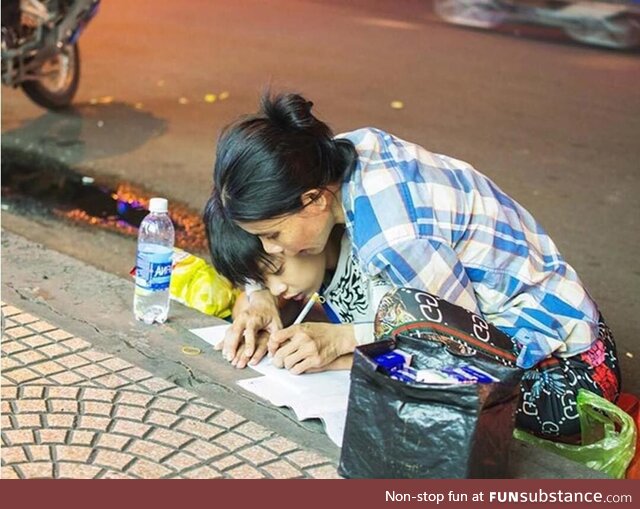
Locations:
(40, 47)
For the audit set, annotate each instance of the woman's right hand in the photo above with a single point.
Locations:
(311, 346)
(257, 313)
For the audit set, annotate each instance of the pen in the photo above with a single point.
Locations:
(305, 310)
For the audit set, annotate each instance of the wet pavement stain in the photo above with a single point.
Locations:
(38, 185)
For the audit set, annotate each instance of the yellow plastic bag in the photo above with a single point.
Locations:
(608, 436)
(196, 284)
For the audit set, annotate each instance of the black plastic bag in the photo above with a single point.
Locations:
(396, 429)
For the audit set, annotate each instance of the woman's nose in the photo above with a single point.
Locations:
(271, 247)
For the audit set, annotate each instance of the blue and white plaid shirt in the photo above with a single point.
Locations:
(431, 222)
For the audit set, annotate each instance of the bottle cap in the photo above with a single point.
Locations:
(158, 205)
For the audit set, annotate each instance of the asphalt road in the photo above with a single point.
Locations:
(556, 124)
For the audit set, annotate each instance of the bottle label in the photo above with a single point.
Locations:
(153, 269)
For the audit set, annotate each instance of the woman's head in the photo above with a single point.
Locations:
(276, 173)
(240, 257)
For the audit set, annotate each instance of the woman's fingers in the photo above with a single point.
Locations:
(261, 351)
(264, 315)
(240, 360)
(300, 349)
(246, 339)
(254, 324)
(232, 339)
(279, 337)
(308, 365)
(284, 351)
(237, 360)
(303, 358)
(298, 354)
(261, 314)
(294, 358)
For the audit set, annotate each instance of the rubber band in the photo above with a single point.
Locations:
(191, 350)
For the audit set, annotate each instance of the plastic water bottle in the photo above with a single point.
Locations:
(153, 264)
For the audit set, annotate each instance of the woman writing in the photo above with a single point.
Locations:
(414, 218)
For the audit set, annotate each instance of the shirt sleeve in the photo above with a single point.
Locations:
(428, 265)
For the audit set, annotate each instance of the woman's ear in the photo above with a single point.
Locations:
(315, 201)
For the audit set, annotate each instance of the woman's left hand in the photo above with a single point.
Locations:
(240, 360)
(310, 346)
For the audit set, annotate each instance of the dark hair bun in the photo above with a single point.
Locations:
(266, 161)
(291, 112)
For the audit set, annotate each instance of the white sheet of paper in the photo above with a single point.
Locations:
(327, 382)
(310, 395)
(212, 335)
(330, 409)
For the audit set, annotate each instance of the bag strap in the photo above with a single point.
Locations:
(488, 349)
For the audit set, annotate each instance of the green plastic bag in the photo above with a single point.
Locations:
(604, 447)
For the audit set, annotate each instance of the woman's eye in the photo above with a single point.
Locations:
(279, 271)
(272, 236)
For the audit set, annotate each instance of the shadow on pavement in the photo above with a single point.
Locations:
(86, 133)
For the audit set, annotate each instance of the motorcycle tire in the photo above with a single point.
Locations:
(56, 89)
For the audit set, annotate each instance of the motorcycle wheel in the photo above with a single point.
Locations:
(59, 82)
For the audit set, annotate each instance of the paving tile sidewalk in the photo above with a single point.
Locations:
(72, 411)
